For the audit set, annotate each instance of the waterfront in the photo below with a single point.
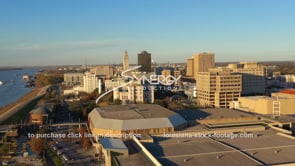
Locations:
(14, 86)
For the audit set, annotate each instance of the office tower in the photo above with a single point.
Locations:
(253, 77)
(125, 61)
(145, 61)
(200, 62)
(91, 82)
(218, 87)
(203, 62)
(190, 68)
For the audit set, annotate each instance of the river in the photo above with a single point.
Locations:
(14, 85)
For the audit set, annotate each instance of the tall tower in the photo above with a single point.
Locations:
(202, 62)
(125, 60)
(145, 61)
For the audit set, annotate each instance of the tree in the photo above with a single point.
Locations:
(36, 145)
(48, 79)
(75, 106)
(68, 139)
(84, 112)
(118, 101)
(85, 143)
(94, 95)
(82, 132)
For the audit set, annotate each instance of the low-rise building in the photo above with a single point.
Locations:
(110, 84)
(135, 93)
(190, 89)
(39, 116)
(103, 70)
(110, 146)
(72, 79)
(282, 103)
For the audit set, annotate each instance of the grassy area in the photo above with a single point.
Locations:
(27, 96)
(22, 113)
(4, 149)
(49, 153)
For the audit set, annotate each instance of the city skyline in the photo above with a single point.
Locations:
(75, 32)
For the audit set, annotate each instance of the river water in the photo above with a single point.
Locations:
(14, 85)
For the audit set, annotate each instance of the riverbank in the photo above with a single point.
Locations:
(9, 68)
(9, 110)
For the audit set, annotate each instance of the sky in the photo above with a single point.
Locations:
(74, 32)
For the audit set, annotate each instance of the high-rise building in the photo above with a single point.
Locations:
(200, 62)
(203, 62)
(91, 82)
(145, 61)
(253, 77)
(125, 60)
(190, 68)
(218, 87)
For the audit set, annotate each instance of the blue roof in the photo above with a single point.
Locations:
(39, 110)
(110, 143)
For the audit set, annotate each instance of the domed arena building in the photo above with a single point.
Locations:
(122, 120)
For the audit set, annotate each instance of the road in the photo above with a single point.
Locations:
(5, 115)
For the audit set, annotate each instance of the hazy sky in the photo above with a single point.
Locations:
(49, 32)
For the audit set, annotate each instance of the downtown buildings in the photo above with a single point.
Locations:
(217, 87)
(86, 82)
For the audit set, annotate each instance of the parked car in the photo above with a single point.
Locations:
(59, 152)
(65, 157)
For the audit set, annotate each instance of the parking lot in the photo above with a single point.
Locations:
(71, 152)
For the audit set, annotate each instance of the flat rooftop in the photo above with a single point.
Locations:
(195, 151)
(256, 97)
(264, 97)
(133, 160)
(282, 118)
(132, 111)
(266, 147)
(212, 113)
